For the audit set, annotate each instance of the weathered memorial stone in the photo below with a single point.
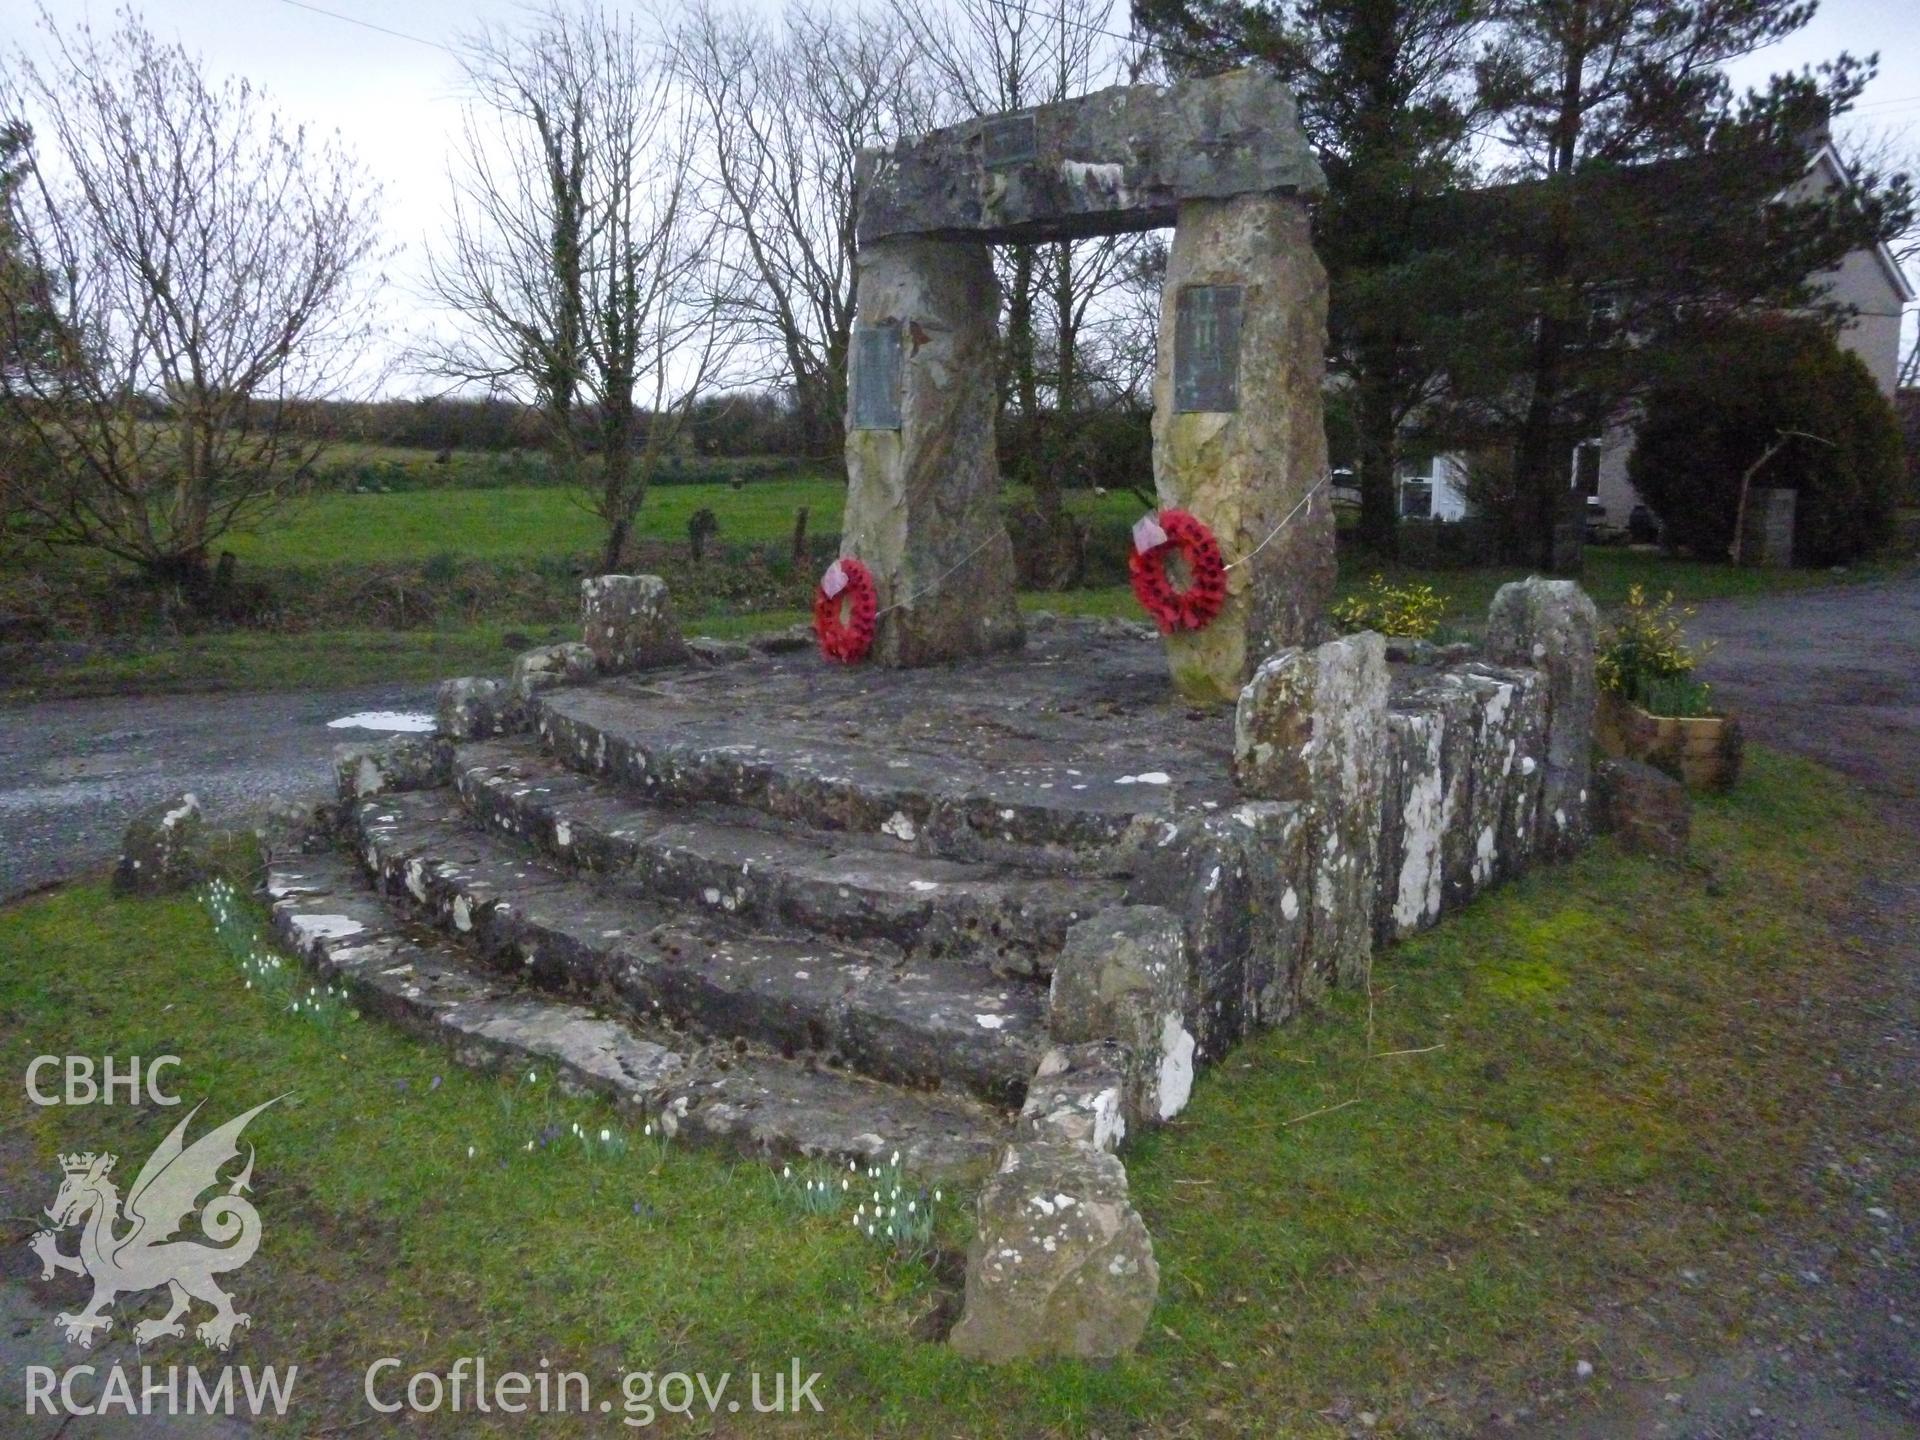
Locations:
(1238, 435)
(629, 622)
(1061, 1263)
(404, 762)
(551, 665)
(1311, 726)
(923, 505)
(1647, 811)
(1238, 438)
(1123, 975)
(164, 850)
(1079, 1096)
(1766, 531)
(1551, 626)
(472, 708)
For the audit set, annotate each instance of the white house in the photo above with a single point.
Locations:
(1867, 280)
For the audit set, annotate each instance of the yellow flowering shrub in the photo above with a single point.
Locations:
(1403, 612)
(1645, 656)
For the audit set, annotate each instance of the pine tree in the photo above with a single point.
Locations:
(1385, 92)
(1644, 194)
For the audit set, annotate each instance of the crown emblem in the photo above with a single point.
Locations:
(81, 1163)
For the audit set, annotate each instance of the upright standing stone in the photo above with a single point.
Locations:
(1550, 625)
(1061, 1263)
(923, 502)
(1766, 536)
(1311, 726)
(629, 623)
(164, 850)
(1123, 975)
(1238, 435)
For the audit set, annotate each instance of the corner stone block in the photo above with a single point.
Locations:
(1122, 975)
(1311, 726)
(406, 762)
(550, 666)
(1061, 1263)
(1430, 741)
(1551, 626)
(1647, 811)
(629, 623)
(1079, 1095)
(163, 851)
(923, 470)
(1239, 439)
(471, 708)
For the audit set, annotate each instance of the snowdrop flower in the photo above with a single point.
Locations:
(470, 1152)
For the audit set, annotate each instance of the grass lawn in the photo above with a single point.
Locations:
(316, 553)
(533, 521)
(1401, 1204)
(520, 522)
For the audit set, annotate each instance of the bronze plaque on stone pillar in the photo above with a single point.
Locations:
(1206, 348)
(876, 377)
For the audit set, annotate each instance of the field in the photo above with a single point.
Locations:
(1403, 1206)
(417, 583)
(522, 522)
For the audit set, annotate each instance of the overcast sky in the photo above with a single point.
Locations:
(393, 99)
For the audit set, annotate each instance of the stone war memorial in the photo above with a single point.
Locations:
(929, 882)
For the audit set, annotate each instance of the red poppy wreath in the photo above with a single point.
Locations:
(844, 610)
(1158, 539)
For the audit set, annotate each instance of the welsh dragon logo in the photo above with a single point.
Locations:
(125, 1253)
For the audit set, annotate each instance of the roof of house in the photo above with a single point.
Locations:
(1828, 159)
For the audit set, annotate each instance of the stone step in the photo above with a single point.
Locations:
(738, 862)
(758, 1103)
(919, 1021)
(1096, 813)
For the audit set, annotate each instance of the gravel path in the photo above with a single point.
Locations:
(72, 772)
(1835, 676)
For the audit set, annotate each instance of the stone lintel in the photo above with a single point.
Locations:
(1121, 159)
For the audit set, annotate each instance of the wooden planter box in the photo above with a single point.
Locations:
(1704, 753)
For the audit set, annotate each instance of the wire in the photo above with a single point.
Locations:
(369, 25)
(1885, 104)
(1298, 507)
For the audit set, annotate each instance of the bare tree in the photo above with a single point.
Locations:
(992, 56)
(582, 272)
(785, 109)
(195, 267)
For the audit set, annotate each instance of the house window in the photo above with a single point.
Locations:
(1586, 468)
(1416, 488)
